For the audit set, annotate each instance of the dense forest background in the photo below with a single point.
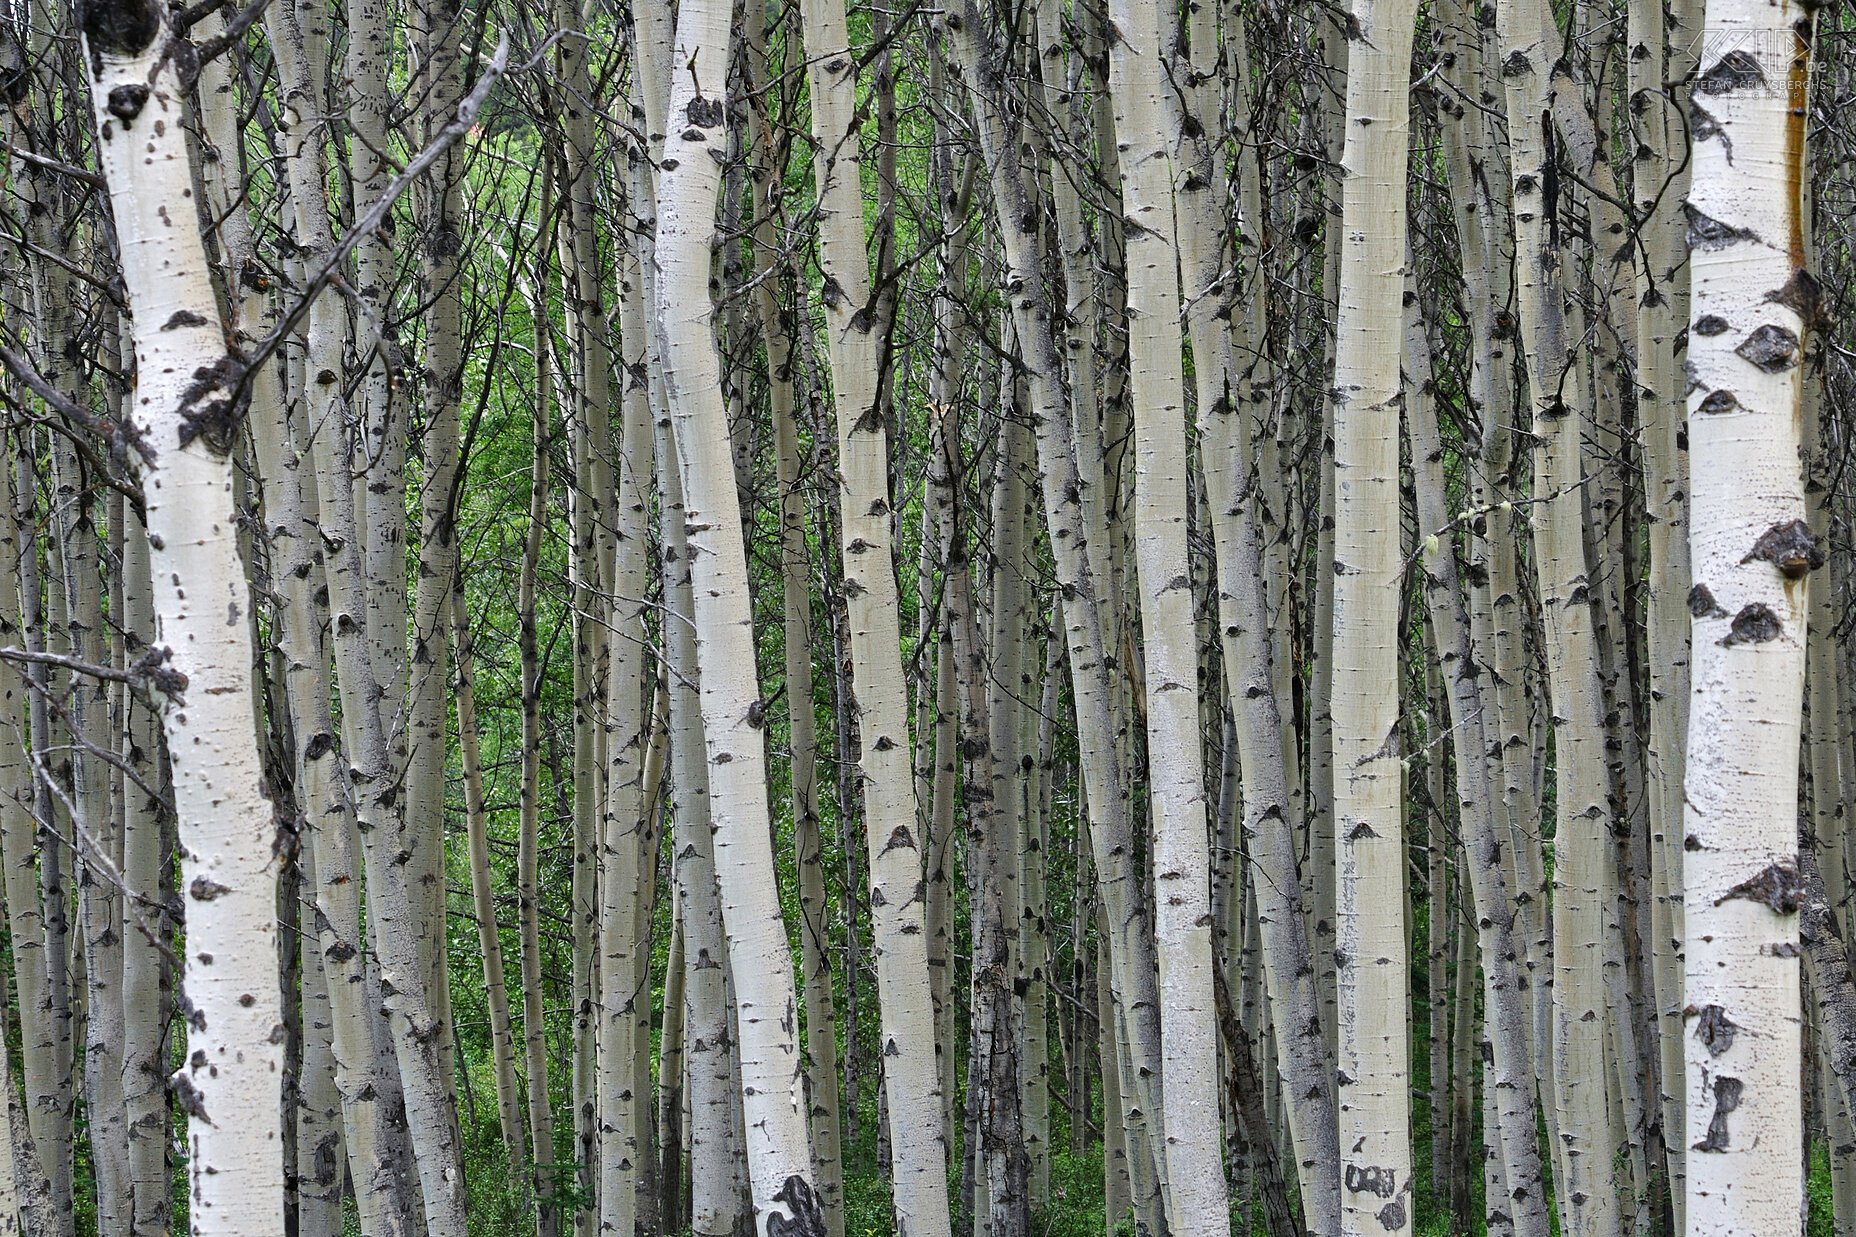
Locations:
(1222, 701)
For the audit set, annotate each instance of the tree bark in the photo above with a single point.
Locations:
(1752, 304)
(231, 1086)
(1370, 940)
(904, 993)
(778, 1151)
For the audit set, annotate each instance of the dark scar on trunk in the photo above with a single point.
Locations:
(1791, 547)
(117, 27)
(1714, 1028)
(806, 1216)
(1778, 887)
(1726, 1098)
(1755, 624)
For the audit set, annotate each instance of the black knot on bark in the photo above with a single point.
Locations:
(805, 1216)
(1707, 232)
(118, 27)
(1791, 547)
(125, 103)
(1726, 1098)
(1772, 348)
(1755, 624)
(1713, 1028)
(1734, 71)
(1777, 886)
(205, 889)
(1371, 1179)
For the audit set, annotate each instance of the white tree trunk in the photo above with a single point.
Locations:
(1751, 308)
(1368, 817)
(1196, 1194)
(1511, 1115)
(778, 1149)
(778, 329)
(714, 1187)
(627, 866)
(184, 413)
(905, 998)
(1579, 1121)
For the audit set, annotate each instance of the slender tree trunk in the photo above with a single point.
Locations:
(628, 857)
(231, 1087)
(26, 926)
(1196, 1201)
(400, 921)
(1508, 1069)
(999, 1166)
(1224, 392)
(714, 1189)
(779, 327)
(905, 995)
(144, 923)
(436, 30)
(72, 555)
(1588, 1199)
(1831, 982)
(1094, 670)
(1370, 936)
(48, 1031)
(25, 1191)
(778, 1149)
(482, 886)
(544, 1189)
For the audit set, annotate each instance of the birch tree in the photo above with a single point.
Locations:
(185, 417)
(897, 888)
(1370, 953)
(778, 1150)
(1196, 1191)
(1752, 304)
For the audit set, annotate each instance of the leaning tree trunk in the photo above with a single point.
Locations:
(715, 1186)
(185, 419)
(483, 892)
(1368, 816)
(1751, 304)
(779, 327)
(733, 715)
(542, 1183)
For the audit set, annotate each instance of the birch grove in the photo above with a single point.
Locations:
(820, 618)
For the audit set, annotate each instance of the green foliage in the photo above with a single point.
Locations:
(1076, 1194)
(1820, 1218)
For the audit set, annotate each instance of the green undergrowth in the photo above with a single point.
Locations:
(499, 1205)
